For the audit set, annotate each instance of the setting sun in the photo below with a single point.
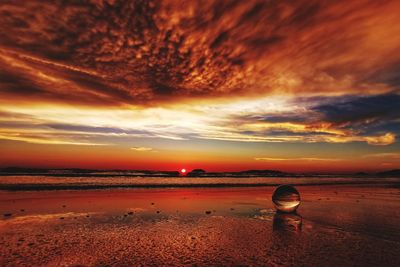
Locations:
(183, 171)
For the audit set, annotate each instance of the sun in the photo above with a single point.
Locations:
(183, 171)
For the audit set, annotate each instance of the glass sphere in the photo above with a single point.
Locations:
(286, 198)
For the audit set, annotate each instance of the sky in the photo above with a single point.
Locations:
(299, 86)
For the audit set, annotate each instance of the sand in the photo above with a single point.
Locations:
(343, 225)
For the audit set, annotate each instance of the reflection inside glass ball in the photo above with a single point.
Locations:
(290, 222)
(286, 198)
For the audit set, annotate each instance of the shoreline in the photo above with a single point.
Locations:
(79, 187)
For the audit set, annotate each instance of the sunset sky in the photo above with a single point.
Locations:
(300, 86)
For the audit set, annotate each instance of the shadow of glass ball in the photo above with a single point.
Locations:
(287, 222)
(286, 198)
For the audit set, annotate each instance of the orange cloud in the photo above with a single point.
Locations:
(115, 73)
(101, 126)
(150, 52)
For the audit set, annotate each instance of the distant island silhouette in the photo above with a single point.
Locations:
(74, 172)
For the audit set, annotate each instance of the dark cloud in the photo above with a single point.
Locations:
(383, 127)
(367, 116)
(117, 52)
(11, 82)
(389, 75)
(303, 116)
(365, 109)
(361, 116)
(285, 133)
(285, 117)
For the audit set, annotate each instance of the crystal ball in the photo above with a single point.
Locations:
(286, 198)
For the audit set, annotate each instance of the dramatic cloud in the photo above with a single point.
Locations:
(141, 52)
(295, 120)
(190, 77)
(361, 110)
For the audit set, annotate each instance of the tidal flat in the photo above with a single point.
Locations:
(335, 225)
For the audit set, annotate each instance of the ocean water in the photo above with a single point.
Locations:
(33, 182)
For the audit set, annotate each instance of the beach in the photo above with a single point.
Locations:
(335, 225)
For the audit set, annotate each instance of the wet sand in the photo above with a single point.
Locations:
(41, 182)
(336, 225)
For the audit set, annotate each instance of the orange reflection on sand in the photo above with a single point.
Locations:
(222, 226)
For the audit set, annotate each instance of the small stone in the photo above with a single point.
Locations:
(61, 218)
(7, 214)
(158, 211)
(22, 210)
(208, 211)
(130, 213)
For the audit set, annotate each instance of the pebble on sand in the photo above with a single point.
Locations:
(208, 211)
(7, 214)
